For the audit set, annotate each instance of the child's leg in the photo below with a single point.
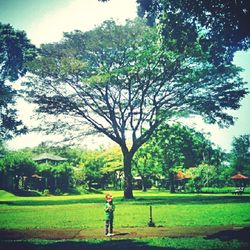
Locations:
(106, 227)
(111, 225)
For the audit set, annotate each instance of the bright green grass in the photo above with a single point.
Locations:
(86, 211)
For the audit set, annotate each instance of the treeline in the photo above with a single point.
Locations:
(176, 157)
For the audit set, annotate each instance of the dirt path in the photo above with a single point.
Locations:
(126, 233)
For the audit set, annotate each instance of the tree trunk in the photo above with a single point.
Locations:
(128, 187)
(171, 182)
(144, 184)
(16, 183)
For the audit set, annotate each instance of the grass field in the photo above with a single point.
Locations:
(86, 211)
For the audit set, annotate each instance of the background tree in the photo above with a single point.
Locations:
(240, 154)
(15, 166)
(56, 178)
(146, 165)
(3, 149)
(203, 175)
(123, 82)
(15, 51)
(113, 167)
(91, 165)
(220, 25)
(62, 175)
(179, 145)
(72, 154)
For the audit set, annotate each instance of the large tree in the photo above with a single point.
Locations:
(124, 82)
(15, 51)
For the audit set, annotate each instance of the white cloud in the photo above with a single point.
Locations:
(82, 15)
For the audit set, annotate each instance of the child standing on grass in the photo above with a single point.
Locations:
(109, 209)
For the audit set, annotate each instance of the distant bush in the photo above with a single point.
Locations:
(58, 191)
(46, 192)
(221, 190)
(247, 190)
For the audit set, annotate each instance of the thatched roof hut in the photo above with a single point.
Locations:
(42, 158)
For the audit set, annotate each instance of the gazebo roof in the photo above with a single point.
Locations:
(46, 156)
(36, 176)
(239, 177)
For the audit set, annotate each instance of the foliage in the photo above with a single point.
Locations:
(3, 149)
(14, 166)
(113, 159)
(216, 190)
(98, 168)
(240, 154)
(112, 169)
(219, 25)
(121, 79)
(15, 51)
(57, 178)
(89, 169)
(147, 164)
(203, 175)
(179, 146)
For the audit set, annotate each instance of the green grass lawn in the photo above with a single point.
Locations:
(86, 211)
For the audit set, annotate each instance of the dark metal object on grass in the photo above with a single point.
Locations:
(151, 223)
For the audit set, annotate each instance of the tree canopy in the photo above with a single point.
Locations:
(123, 81)
(220, 25)
(15, 50)
(241, 153)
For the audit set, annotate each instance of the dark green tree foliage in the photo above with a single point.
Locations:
(56, 178)
(15, 166)
(241, 154)
(121, 79)
(72, 155)
(15, 50)
(179, 145)
(221, 26)
(3, 149)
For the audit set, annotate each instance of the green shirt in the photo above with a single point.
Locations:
(109, 211)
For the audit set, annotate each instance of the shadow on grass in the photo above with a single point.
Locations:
(41, 202)
(242, 235)
(175, 199)
(105, 245)
(195, 199)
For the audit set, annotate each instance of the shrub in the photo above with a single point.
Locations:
(46, 192)
(217, 190)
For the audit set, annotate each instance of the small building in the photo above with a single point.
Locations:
(47, 182)
(48, 158)
(180, 180)
(240, 180)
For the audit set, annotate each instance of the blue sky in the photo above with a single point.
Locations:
(46, 20)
